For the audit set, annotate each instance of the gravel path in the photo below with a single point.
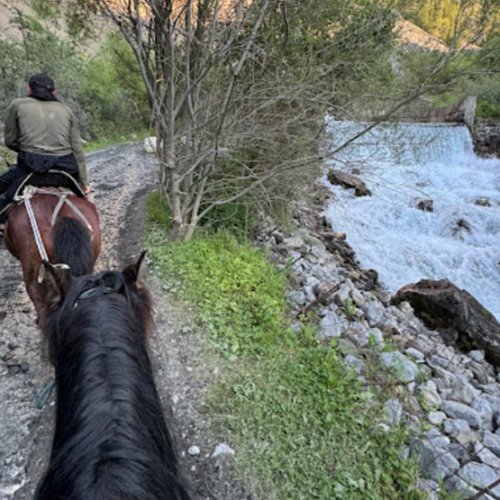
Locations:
(121, 177)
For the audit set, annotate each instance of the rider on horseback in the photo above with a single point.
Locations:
(45, 135)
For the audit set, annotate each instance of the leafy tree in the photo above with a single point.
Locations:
(38, 50)
(457, 22)
(112, 92)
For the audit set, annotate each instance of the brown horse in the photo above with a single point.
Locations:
(63, 229)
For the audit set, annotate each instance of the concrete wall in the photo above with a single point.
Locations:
(462, 112)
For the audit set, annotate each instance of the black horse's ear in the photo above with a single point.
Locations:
(56, 280)
(134, 274)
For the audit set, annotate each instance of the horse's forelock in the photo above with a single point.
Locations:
(92, 287)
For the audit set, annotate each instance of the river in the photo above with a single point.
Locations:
(403, 165)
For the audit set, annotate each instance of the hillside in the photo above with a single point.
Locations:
(7, 11)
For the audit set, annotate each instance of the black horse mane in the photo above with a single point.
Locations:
(111, 439)
(73, 246)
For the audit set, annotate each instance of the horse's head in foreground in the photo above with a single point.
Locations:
(111, 439)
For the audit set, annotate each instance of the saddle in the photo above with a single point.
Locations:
(55, 179)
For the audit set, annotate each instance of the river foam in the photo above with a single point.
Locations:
(403, 165)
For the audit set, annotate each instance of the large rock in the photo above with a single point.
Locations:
(487, 138)
(461, 320)
(346, 180)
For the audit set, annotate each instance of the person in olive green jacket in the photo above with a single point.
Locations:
(45, 135)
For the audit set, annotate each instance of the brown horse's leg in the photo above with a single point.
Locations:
(30, 275)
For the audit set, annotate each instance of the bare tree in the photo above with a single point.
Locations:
(239, 88)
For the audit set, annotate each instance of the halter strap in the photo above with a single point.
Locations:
(87, 294)
(95, 291)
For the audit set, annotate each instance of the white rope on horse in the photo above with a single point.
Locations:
(28, 193)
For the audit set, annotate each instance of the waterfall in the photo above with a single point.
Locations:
(403, 165)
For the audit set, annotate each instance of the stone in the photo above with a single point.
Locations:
(466, 393)
(342, 295)
(150, 145)
(465, 438)
(348, 181)
(492, 442)
(457, 315)
(415, 354)
(482, 202)
(486, 456)
(460, 452)
(477, 356)
(402, 368)
(429, 395)
(429, 486)
(296, 242)
(357, 297)
(194, 451)
(439, 372)
(348, 346)
(393, 412)
(426, 205)
(375, 335)
(480, 476)
(374, 312)
(437, 439)
(433, 462)
(358, 333)
(351, 362)
(481, 373)
(297, 298)
(222, 449)
(331, 326)
(436, 417)
(483, 408)
(454, 483)
(463, 412)
(455, 426)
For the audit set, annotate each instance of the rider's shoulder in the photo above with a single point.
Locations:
(18, 101)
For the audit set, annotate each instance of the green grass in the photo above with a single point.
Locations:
(301, 425)
(6, 154)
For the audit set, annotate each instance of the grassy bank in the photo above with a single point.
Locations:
(302, 426)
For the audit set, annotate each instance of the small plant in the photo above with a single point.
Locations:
(350, 309)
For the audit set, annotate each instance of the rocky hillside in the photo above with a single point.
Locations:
(7, 11)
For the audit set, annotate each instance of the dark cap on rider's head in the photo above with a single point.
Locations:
(41, 81)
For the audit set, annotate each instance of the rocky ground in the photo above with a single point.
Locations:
(120, 178)
(450, 398)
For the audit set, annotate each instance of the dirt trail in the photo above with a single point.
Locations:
(121, 177)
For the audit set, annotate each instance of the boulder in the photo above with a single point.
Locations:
(348, 181)
(487, 138)
(460, 319)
